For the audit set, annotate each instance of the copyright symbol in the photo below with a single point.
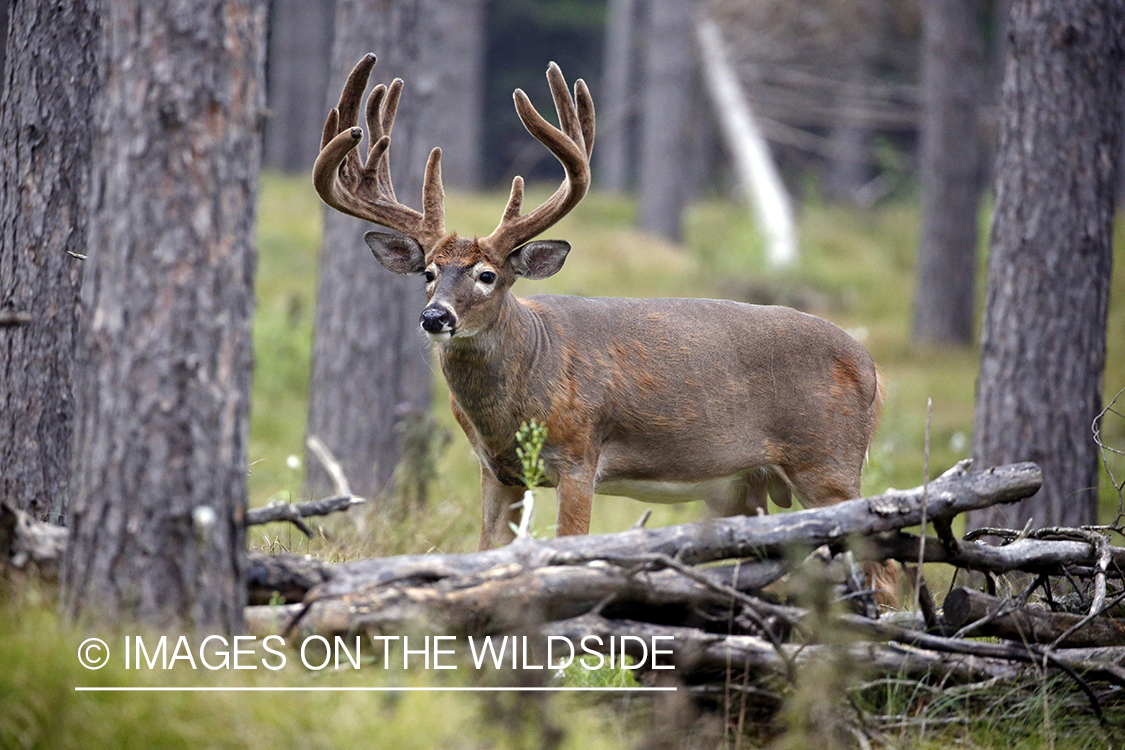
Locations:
(93, 653)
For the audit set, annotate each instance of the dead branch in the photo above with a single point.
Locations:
(963, 606)
(295, 513)
(13, 318)
(1028, 555)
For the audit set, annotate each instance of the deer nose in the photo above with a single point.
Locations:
(437, 319)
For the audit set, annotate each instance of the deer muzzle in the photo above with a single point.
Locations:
(439, 322)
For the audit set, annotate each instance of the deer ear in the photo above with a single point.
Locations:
(539, 259)
(396, 252)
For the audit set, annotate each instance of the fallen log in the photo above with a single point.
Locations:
(1047, 556)
(964, 606)
(284, 577)
(514, 597)
(698, 655)
(738, 537)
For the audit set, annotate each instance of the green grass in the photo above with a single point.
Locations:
(39, 707)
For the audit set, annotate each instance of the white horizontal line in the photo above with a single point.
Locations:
(374, 689)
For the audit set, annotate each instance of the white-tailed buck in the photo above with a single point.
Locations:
(663, 400)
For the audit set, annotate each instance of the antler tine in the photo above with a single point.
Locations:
(365, 189)
(564, 105)
(381, 110)
(433, 198)
(331, 127)
(571, 145)
(585, 104)
(352, 94)
(371, 117)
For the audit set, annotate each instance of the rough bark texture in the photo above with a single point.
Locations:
(1044, 334)
(161, 441)
(300, 49)
(670, 83)
(46, 129)
(950, 170)
(371, 363)
(617, 119)
(3, 35)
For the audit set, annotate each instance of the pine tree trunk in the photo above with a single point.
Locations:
(617, 119)
(670, 112)
(1044, 337)
(161, 442)
(300, 48)
(951, 172)
(51, 80)
(849, 139)
(3, 36)
(371, 363)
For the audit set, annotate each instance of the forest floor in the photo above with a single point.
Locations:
(856, 270)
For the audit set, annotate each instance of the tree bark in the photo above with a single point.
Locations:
(50, 83)
(670, 75)
(371, 363)
(950, 172)
(3, 41)
(617, 119)
(161, 440)
(1044, 334)
(300, 50)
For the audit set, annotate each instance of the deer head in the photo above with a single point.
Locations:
(467, 281)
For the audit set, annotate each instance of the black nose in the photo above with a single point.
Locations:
(436, 319)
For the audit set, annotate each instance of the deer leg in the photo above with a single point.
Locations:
(576, 498)
(825, 483)
(834, 483)
(496, 511)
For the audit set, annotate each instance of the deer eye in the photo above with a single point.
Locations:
(428, 276)
(488, 277)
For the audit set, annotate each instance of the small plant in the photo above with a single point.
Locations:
(531, 437)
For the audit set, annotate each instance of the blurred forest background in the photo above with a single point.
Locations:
(870, 116)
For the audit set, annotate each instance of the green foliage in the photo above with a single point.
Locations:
(531, 437)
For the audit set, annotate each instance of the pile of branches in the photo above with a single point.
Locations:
(748, 607)
(743, 606)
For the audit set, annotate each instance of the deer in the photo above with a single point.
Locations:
(662, 400)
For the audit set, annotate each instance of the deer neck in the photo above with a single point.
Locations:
(493, 375)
